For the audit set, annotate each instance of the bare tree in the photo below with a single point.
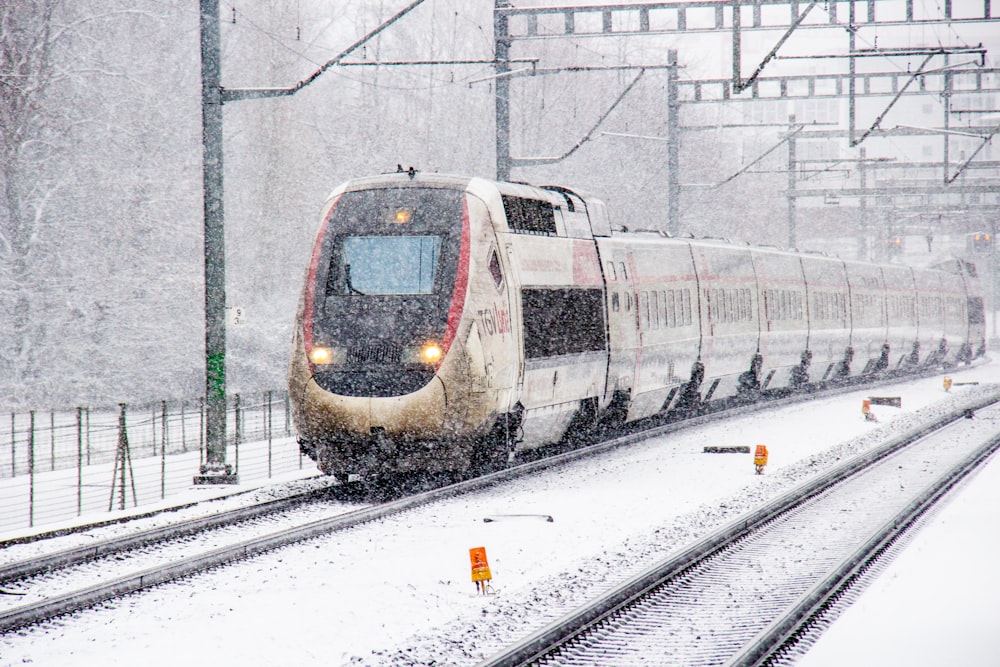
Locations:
(30, 138)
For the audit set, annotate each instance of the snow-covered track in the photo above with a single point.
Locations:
(46, 600)
(82, 573)
(67, 569)
(703, 606)
(37, 564)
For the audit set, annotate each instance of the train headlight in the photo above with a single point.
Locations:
(431, 353)
(321, 355)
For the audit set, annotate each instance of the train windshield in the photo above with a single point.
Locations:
(385, 280)
(381, 265)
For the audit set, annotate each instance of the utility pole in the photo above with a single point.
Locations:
(863, 208)
(673, 146)
(791, 181)
(501, 40)
(214, 470)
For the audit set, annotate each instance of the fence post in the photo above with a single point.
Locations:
(288, 416)
(87, 412)
(268, 428)
(52, 440)
(79, 461)
(154, 429)
(236, 437)
(31, 471)
(163, 455)
(123, 457)
(201, 431)
(13, 447)
(184, 446)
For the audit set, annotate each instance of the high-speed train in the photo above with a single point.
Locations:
(447, 323)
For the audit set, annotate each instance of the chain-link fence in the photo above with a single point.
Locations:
(61, 464)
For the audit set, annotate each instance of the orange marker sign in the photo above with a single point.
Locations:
(480, 567)
(760, 458)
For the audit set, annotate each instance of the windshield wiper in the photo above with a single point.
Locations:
(347, 279)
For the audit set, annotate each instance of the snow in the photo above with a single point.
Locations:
(937, 603)
(399, 592)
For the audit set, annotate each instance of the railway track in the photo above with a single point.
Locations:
(745, 593)
(65, 581)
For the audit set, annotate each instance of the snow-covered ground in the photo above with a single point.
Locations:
(938, 602)
(398, 592)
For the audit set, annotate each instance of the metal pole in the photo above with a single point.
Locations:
(31, 470)
(737, 43)
(501, 40)
(993, 275)
(268, 427)
(239, 432)
(163, 454)
(673, 146)
(201, 431)
(791, 181)
(52, 440)
(851, 78)
(214, 469)
(122, 444)
(13, 446)
(946, 96)
(79, 461)
(863, 208)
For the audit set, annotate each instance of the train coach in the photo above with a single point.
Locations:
(447, 323)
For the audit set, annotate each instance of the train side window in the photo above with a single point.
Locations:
(621, 271)
(687, 307)
(611, 272)
(530, 216)
(494, 267)
(628, 301)
(616, 303)
(643, 311)
(562, 321)
(655, 318)
(671, 308)
(976, 313)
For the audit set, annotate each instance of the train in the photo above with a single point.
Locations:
(450, 323)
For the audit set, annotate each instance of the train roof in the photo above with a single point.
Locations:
(416, 178)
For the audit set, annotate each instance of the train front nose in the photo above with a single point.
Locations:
(380, 318)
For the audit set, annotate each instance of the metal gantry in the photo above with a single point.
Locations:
(936, 74)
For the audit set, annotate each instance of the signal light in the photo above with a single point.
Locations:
(403, 216)
(982, 242)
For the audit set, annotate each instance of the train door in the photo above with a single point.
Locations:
(975, 311)
(514, 304)
(623, 325)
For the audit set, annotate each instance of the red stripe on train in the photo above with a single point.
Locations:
(461, 283)
(310, 295)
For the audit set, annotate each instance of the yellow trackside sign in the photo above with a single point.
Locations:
(480, 566)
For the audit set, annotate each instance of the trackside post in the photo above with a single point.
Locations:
(481, 575)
